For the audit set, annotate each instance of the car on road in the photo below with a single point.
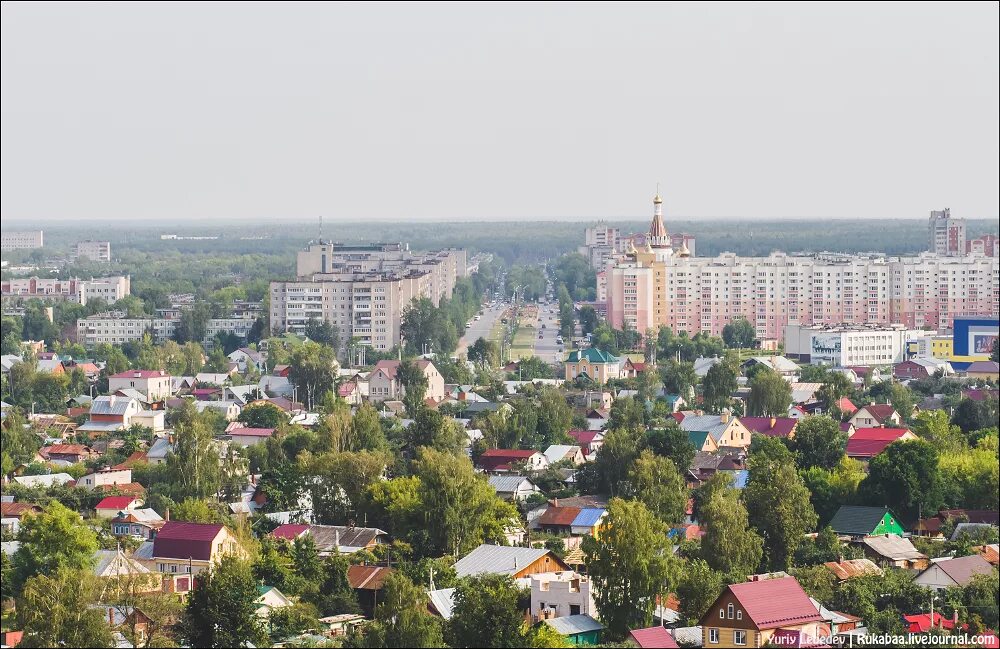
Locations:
(478, 317)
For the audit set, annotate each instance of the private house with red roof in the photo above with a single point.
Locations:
(250, 436)
(350, 392)
(71, 453)
(749, 614)
(110, 507)
(155, 384)
(182, 549)
(589, 441)
(11, 515)
(866, 443)
(771, 426)
(846, 406)
(876, 414)
(366, 582)
(502, 460)
(632, 369)
(384, 384)
(921, 622)
(651, 638)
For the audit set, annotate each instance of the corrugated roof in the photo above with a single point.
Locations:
(711, 424)
(858, 521)
(770, 426)
(138, 374)
(290, 531)
(892, 546)
(653, 637)
(559, 516)
(850, 568)
(367, 577)
(116, 503)
(589, 517)
(574, 624)
(443, 601)
(334, 537)
(499, 560)
(962, 570)
(180, 540)
(772, 603)
(508, 483)
(557, 452)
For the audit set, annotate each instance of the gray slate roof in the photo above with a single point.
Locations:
(962, 570)
(443, 601)
(508, 484)
(110, 405)
(326, 536)
(497, 560)
(893, 547)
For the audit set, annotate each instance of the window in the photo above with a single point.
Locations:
(713, 635)
(739, 615)
(739, 637)
(729, 611)
(722, 614)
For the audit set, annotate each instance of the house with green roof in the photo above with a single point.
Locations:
(851, 520)
(702, 441)
(599, 366)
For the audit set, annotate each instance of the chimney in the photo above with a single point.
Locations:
(166, 515)
(954, 618)
(336, 539)
(555, 502)
(724, 417)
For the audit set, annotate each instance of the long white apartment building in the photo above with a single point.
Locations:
(21, 240)
(115, 328)
(109, 289)
(850, 345)
(362, 290)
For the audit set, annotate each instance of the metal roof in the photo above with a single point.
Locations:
(508, 483)
(589, 517)
(443, 601)
(110, 405)
(573, 624)
(497, 560)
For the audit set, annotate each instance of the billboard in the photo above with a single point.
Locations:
(974, 337)
(981, 344)
(825, 348)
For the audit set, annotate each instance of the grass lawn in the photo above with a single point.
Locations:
(524, 343)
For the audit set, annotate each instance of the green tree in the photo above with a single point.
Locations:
(313, 371)
(770, 394)
(195, 510)
(902, 400)
(58, 610)
(194, 463)
(554, 417)
(411, 376)
(461, 510)
(401, 619)
(905, 478)
(673, 442)
(739, 333)
(588, 319)
(679, 378)
(52, 539)
(818, 442)
(656, 482)
(630, 564)
(627, 413)
(972, 415)
(322, 332)
(367, 427)
(719, 384)
(221, 609)
(621, 447)
(830, 489)
(484, 352)
(487, 613)
(730, 545)
(262, 415)
(698, 589)
(777, 501)
(934, 427)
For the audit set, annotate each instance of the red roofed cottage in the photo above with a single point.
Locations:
(748, 614)
(155, 384)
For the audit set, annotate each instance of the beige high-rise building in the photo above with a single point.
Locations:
(21, 240)
(362, 290)
(94, 250)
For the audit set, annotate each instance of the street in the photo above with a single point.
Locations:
(479, 328)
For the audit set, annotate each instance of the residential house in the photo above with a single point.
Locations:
(594, 364)
(876, 414)
(702, 441)
(246, 358)
(46, 480)
(558, 594)
(71, 453)
(245, 437)
(750, 613)
(837, 621)
(631, 369)
(332, 539)
(892, 550)
(675, 402)
(990, 552)
(516, 488)
(923, 622)
(589, 441)
(564, 452)
(11, 515)
(350, 392)
(220, 379)
(983, 370)
(111, 506)
(577, 629)
(115, 563)
(953, 573)
(724, 429)
(137, 523)
(155, 384)
(268, 599)
(367, 581)
(570, 520)
(501, 460)
(783, 427)
(931, 526)
(856, 522)
(866, 443)
(921, 368)
(105, 477)
(384, 383)
(109, 413)
(181, 550)
(161, 447)
(504, 560)
(779, 364)
(229, 409)
(276, 385)
(845, 569)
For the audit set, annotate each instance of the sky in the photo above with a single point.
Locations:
(434, 112)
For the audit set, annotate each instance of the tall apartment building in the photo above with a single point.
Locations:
(947, 235)
(109, 289)
(114, 328)
(94, 250)
(656, 286)
(362, 290)
(23, 240)
(988, 245)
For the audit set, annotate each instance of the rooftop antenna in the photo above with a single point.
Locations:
(321, 228)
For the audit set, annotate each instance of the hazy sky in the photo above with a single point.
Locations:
(497, 111)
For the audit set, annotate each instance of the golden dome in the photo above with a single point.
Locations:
(656, 199)
(683, 252)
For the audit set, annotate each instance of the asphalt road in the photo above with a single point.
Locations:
(480, 328)
(546, 347)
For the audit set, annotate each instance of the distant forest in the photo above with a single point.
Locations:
(515, 242)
